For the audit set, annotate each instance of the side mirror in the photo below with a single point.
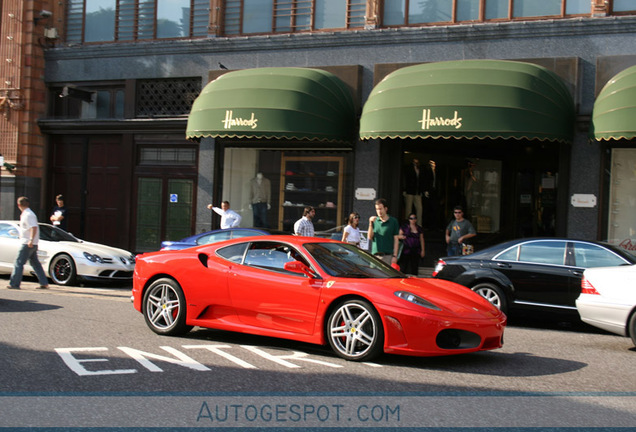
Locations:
(298, 267)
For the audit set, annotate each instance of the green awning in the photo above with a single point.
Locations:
(275, 103)
(614, 115)
(470, 99)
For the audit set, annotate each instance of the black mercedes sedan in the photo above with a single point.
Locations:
(531, 273)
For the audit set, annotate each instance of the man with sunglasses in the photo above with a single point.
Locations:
(458, 231)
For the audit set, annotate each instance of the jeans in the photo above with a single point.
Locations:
(454, 249)
(31, 255)
(260, 214)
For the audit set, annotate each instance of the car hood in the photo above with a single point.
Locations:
(450, 297)
(99, 249)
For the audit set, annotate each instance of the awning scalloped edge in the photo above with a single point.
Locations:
(611, 138)
(269, 137)
(431, 136)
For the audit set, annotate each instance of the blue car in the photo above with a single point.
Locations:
(217, 236)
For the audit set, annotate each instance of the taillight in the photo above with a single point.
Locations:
(438, 268)
(588, 288)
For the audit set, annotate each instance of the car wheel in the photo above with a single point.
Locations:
(164, 308)
(62, 270)
(493, 294)
(632, 328)
(354, 331)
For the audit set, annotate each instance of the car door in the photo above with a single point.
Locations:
(539, 275)
(266, 296)
(9, 246)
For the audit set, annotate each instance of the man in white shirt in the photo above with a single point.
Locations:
(229, 218)
(29, 238)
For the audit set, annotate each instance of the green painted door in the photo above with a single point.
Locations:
(164, 211)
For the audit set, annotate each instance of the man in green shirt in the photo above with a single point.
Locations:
(383, 233)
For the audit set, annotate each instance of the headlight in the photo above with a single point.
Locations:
(92, 258)
(410, 297)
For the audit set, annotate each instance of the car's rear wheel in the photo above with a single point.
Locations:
(493, 294)
(62, 270)
(354, 330)
(164, 308)
(632, 328)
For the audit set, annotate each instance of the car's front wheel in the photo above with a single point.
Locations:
(62, 270)
(164, 308)
(493, 294)
(632, 328)
(354, 330)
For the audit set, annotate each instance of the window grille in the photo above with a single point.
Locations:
(166, 97)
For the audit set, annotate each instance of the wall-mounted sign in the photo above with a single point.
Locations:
(174, 198)
(583, 200)
(365, 194)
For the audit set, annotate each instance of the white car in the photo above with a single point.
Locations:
(66, 258)
(608, 299)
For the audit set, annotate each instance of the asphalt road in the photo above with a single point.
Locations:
(82, 356)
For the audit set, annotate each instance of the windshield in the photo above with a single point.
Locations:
(347, 260)
(54, 234)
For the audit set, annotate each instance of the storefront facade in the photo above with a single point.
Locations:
(521, 185)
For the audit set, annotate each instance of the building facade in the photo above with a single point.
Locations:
(121, 78)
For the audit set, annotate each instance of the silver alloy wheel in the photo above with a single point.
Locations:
(355, 331)
(493, 294)
(62, 270)
(163, 305)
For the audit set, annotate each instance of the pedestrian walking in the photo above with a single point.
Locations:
(29, 238)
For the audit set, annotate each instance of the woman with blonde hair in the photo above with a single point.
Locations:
(351, 233)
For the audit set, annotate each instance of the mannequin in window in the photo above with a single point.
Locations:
(430, 195)
(413, 189)
(260, 199)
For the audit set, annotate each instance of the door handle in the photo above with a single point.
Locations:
(577, 273)
(503, 265)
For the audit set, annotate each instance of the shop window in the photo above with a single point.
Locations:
(622, 199)
(270, 188)
(127, 20)
(481, 187)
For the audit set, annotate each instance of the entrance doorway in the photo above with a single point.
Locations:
(164, 211)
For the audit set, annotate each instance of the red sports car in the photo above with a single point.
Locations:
(312, 290)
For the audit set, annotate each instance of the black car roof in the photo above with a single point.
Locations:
(491, 251)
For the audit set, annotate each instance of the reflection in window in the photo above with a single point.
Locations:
(547, 252)
(127, 20)
(589, 255)
(100, 20)
(257, 16)
(532, 8)
(577, 7)
(621, 227)
(496, 9)
(467, 10)
(331, 14)
(623, 5)
(173, 18)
